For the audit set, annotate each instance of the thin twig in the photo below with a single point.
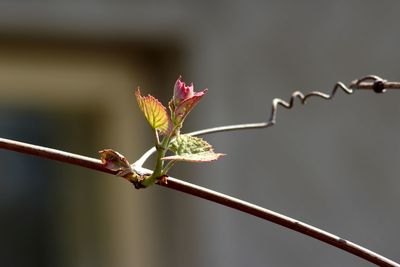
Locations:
(370, 82)
(210, 195)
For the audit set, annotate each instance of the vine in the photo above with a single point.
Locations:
(192, 149)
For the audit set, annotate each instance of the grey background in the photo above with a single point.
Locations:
(331, 164)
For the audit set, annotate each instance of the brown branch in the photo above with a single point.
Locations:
(210, 195)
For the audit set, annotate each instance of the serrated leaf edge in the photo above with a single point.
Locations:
(151, 114)
(187, 158)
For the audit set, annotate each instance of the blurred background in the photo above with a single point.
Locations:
(68, 70)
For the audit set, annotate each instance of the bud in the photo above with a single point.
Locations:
(181, 91)
(184, 100)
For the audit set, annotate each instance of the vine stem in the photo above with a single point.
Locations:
(369, 82)
(210, 195)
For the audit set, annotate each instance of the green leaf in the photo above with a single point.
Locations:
(193, 149)
(155, 113)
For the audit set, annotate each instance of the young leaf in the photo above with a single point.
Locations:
(113, 160)
(184, 100)
(183, 109)
(193, 149)
(155, 113)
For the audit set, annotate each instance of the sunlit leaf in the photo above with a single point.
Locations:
(155, 113)
(193, 149)
(184, 107)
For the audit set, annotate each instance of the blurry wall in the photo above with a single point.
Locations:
(76, 96)
(330, 164)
